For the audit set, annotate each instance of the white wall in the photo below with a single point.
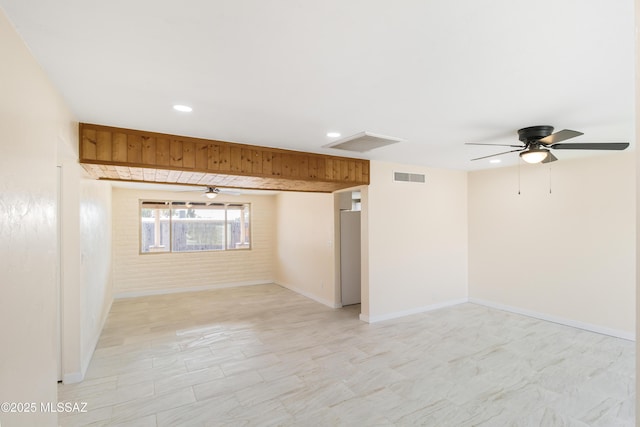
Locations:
(95, 261)
(568, 255)
(33, 118)
(71, 174)
(415, 238)
(86, 260)
(637, 193)
(305, 260)
(136, 274)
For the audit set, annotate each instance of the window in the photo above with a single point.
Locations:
(168, 226)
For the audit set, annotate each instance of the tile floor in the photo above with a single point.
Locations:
(263, 356)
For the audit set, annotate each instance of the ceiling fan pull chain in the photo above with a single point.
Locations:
(518, 177)
(549, 179)
(519, 180)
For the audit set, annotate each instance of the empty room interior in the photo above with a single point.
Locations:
(321, 213)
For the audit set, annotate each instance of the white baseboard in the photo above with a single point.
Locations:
(416, 310)
(72, 378)
(144, 293)
(560, 320)
(309, 295)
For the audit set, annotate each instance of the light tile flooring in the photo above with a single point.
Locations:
(263, 355)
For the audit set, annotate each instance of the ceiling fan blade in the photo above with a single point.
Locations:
(559, 136)
(550, 158)
(498, 154)
(591, 146)
(495, 145)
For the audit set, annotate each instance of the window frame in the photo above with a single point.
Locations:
(172, 205)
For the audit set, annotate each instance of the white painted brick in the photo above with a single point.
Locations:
(133, 272)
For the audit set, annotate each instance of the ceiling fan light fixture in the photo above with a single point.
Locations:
(534, 155)
(211, 193)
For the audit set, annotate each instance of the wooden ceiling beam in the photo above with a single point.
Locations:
(133, 155)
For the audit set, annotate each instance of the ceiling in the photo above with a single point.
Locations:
(283, 74)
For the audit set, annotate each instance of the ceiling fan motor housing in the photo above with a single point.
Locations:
(534, 133)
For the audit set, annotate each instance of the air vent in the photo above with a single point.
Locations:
(408, 177)
(363, 141)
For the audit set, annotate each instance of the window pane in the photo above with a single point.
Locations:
(197, 227)
(154, 229)
(238, 226)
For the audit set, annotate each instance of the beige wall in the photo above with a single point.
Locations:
(136, 274)
(415, 241)
(568, 255)
(33, 118)
(305, 259)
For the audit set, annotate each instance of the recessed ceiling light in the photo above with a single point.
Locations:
(333, 134)
(183, 108)
(495, 161)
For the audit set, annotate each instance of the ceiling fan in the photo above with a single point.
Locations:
(212, 192)
(537, 140)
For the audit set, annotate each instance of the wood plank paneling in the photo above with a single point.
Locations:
(88, 144)
(365, 173)
(235, 159)
(313, 167)
(207, 179)
(303, 166)
(287, 165)
(358, 172)
(321, 168)
(202, 156)
(134, 149)
(328, 172)
(276, 167)
(148, 150)
(225, 156)
(147, 156)
(213, 157)
(294, 165)
(176, 153)
(119, 147)
(188, 155)
(256, 162)
(335, 170)
(163, 151)
(103, 145)
(245, 159)
(267, 163)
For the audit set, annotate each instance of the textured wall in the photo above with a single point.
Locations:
(33, 118)
(95, 257)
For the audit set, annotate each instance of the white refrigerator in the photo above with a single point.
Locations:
(350, 257)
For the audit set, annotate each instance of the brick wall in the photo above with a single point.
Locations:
(134, 273)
